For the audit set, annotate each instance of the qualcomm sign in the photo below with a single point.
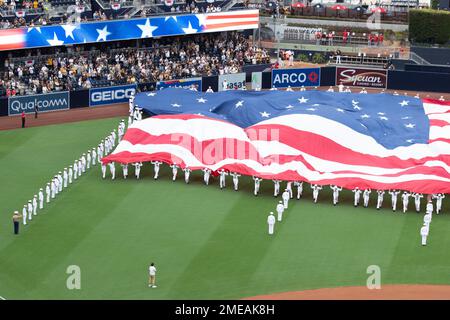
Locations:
(40, 102)
(283, 78)
(110, 95)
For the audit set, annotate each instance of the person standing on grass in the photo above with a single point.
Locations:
(271, 222)
(112, 168)
(280, 210)
(41, 199)
(156, 168)
(424, 234)
(16, 219)
(23, 119)
(257, 184)
(152, 275)
(24, 214)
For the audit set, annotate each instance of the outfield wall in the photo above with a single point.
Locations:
(415, 79)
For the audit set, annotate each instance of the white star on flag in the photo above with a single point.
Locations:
(384, 118)
(357, 108)
(189, 29)
(339, 110)
(55, 41)
(173, 17)
(201, 100)
(355, 102)
(410, 140)
(239, 104)
(102, 33)
(38, 29)
(265, 114)
(151, 94)
(175, 105)
(147, 29)
(311, 109)
(289, 107)
(68, 29)
(302, 100)
(365, 116)
(410, 125)
(404, 103)
(381, 113)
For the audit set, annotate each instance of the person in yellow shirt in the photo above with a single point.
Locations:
(16, 221)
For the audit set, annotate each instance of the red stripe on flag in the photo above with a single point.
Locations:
(229, 24)
(232, 16)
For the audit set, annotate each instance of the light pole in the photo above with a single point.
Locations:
(277, 14)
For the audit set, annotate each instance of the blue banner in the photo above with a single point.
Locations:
(43, 103)
(110, 95)
(100, 31)
(283, 78)
(180, 83)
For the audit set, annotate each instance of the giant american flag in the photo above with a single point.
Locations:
(125, 29)
(379, 141)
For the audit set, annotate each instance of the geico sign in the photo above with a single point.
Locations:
(112, 95)
(290, 78)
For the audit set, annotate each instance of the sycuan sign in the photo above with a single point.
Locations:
(359, 77)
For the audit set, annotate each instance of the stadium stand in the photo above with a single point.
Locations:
(100, 65)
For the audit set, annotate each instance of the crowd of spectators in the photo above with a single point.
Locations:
(164, 59)
(345, 37)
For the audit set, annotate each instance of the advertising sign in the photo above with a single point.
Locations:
(43, 102)
(110, 95)
(233, 81)
(283, 78)
(359, 77)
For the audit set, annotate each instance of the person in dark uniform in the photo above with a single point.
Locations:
(36, 111)
(16, 221)
(23, 119)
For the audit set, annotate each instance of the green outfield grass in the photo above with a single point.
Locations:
(207, 243)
